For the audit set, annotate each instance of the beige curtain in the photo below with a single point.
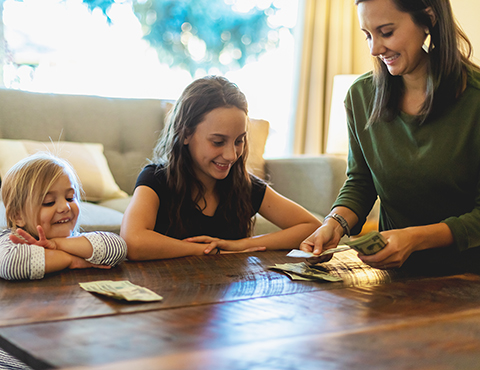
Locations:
(328, 49)
(2, 45)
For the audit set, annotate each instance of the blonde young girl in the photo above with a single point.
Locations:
(41, 194)
(198, 196)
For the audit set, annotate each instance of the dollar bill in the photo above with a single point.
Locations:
(369, 243)
(302, 254)
(302, 269)
(123, 289)
(296, 277)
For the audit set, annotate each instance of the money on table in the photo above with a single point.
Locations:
(123, 289)
(300, 271)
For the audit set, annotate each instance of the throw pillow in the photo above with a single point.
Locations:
(257, 138)
(87, 159)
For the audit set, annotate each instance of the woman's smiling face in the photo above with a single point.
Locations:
(393, 37)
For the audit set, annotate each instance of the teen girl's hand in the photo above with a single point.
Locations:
(224, 246)
(80, 263)
(22, 237)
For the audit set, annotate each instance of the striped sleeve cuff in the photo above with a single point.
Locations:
(108, 248)
(37, 262)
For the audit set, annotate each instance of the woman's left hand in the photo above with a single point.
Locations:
(223, 246)
(401, 244)
(22, 237)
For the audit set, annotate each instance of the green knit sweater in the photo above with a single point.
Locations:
(423, 174)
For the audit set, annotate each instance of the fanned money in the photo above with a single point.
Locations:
(303, 270)
(302, 254)
(296, 277)
(369, 243)
(121, 290)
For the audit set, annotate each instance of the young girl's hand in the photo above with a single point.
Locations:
(22, 237)
(80, 263)
(223, 246)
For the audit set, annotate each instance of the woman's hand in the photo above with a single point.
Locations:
(325, 237)
(224, 246)
(22, 237)
(400, 244)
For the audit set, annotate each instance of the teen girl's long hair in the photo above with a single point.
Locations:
(198, 99)
(449, 61)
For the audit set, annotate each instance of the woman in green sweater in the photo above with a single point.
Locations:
(414, 134)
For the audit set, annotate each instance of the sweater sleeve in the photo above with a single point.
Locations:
(358, 193)
(108, 248)
(465, 228)
(20, 261)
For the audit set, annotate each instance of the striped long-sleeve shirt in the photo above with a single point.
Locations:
(24, 261)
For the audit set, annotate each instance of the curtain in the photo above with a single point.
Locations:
(328, 49)
(2, 45)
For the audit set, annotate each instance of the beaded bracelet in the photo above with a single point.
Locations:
(341, 221)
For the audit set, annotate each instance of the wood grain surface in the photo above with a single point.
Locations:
(182, 282)
(231, 312)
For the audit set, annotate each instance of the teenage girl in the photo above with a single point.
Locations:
(197, 197)
(41, 194)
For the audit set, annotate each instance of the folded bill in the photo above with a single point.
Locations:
(303, 270)
(369, 243)
(123, 289)
(302, 254)
(293, 276)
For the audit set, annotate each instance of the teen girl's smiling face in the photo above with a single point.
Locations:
(393, 37)
(59, 210)
(217, 143)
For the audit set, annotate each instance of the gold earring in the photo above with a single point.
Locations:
(428, 44)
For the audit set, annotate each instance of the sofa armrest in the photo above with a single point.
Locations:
(311, 181)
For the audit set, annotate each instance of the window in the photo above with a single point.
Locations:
(65, 46)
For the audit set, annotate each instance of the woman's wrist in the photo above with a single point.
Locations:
(335, 225)
(343, 223)
(430, 236)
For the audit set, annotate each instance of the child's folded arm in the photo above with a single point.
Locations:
(21, 261)
(108, 248)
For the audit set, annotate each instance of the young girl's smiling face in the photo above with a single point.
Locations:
(59, 210)
(217, 143)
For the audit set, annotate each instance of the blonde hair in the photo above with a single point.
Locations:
(27, 183)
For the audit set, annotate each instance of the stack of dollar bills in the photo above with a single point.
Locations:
(121, 290)
(367, 244)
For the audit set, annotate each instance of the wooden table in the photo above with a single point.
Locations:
(232, 312)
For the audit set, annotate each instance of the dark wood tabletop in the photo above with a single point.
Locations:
(231, 312)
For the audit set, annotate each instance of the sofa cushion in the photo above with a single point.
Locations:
(263, 226)
(86, 158)
(127, 128)
(257, 138)
(94, 217)
(119, 204)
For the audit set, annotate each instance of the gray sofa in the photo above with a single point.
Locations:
(128, 130)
